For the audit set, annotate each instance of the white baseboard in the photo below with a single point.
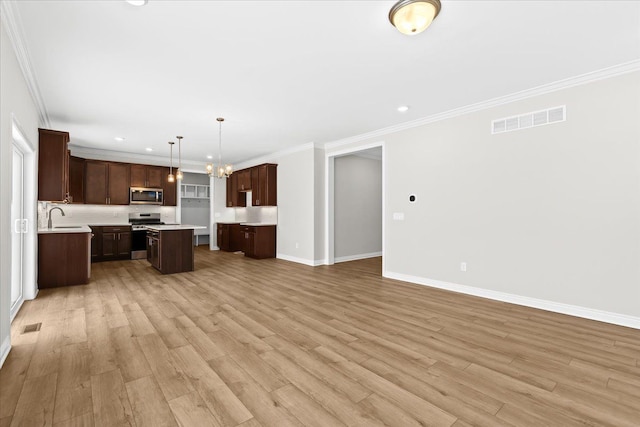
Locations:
(4, 349)
(305, 261)
(356, 257)
(556, 307)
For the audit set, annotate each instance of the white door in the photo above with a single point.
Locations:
(19, 224)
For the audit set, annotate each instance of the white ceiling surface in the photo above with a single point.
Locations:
(287, 73)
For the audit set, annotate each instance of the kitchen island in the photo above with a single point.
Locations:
(170, 247)
(64, 256)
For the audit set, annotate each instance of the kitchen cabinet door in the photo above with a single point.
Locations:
(53, 165)
(223, 237)
(138, 175)
(95, 182)
(76, 180)
(234, 197)
(118, 184)
(109, 245)
(244, 180)
(156, 176)
(264, 187)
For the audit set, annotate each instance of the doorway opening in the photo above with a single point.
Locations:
(355, 204)
(23, 220)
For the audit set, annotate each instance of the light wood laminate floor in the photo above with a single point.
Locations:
(241, 342)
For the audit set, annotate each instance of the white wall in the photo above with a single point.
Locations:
(357, 207)
(548, 216)
(15, 101)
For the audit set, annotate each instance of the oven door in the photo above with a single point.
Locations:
(139, 244)
(145, 196)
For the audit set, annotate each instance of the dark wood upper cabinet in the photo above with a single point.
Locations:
(234, 197)
(106, 183)
(146, 176)
(119, 183)
(95, 182)
(53, 165)
(264, 187)
(76, 180)
(170, 189)
(244, 180)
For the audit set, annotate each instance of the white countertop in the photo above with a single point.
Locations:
(166, 227)
(65, 229)
(256, 224)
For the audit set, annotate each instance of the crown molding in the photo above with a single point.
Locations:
(13, 26)
(190, 166)
(605, 73)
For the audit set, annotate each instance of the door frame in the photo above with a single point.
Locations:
(30, 196)
(329, 242)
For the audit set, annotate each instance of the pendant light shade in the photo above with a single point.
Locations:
(179, 171)
(171, 177)
(414, 16)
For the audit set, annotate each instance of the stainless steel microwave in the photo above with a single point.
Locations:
(145, 196)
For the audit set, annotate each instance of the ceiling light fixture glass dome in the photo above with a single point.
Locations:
(414, 16)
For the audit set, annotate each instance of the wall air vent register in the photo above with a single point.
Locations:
(529, 120)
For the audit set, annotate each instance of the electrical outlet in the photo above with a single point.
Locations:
(398, 216)
(115, 214)
(297, 245)
(463, 266)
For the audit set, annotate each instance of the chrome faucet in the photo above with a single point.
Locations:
(50, 212)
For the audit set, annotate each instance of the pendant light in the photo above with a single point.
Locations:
(414, 16)
(171, 177)
(179, 171)
(220, 171)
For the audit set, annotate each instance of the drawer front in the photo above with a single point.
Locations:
(116, 229)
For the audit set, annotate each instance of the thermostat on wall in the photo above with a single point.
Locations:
(412, 198)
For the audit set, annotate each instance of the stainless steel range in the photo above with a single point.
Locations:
(138, 222)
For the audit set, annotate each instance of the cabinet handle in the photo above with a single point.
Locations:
(246, 235)
(257, 201)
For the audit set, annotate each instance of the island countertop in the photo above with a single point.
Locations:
(168, 227)
(65, 229)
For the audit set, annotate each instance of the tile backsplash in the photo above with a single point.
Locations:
(99, 214)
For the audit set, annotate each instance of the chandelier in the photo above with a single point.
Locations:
(219, 170)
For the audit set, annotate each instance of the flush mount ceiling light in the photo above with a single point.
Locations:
(171, 177)
(403, 108)
(137, 2)
(149, 149)
(219, 171)
(179, 172)
(119, 138)
(413, 16)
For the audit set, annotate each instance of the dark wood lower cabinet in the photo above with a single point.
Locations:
(110, 243)
(230, 237)
(256, 241)
(260, 241)
(170, 251)
(63, 259)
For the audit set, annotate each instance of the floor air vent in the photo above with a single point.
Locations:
(528, 120)
(35, 327)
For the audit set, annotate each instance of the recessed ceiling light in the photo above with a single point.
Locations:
(403, 108)
(119, 138)
(137, 2)
(149, 149)
(209, 157)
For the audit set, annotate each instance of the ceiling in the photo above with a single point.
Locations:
(286, 73)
